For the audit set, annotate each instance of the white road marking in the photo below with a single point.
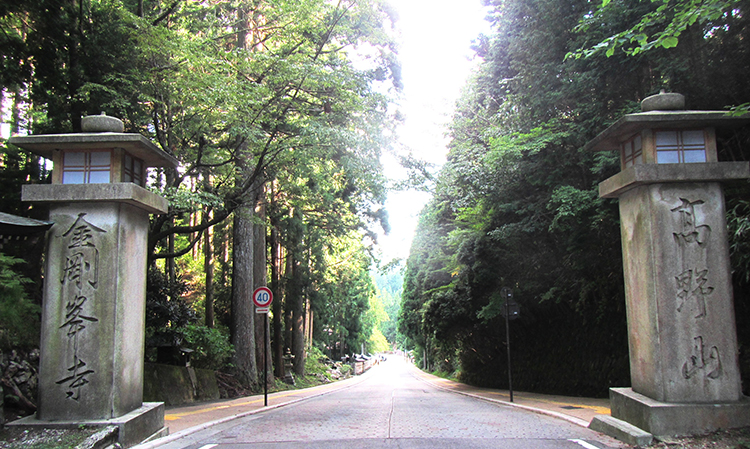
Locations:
(584, 444)
(209, 446)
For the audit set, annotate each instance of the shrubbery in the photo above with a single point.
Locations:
(19, 316)
(315, 361)
(211, 346)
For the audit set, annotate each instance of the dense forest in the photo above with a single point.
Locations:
(277, 111)
(516, 205)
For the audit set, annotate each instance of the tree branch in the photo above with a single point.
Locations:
(166, 13)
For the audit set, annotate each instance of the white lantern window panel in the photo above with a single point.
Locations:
(680, 146)
(632, 152)
(86, 167)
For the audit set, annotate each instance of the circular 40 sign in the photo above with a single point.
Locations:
(262, 297)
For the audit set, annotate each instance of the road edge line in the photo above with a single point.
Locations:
(570, 419)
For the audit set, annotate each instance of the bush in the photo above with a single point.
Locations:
(19, 316)
(211, 346)
(165, 306)
(315, 362)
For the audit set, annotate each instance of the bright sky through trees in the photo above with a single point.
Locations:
(436, 58)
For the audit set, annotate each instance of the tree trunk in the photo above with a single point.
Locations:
(288, 279)
(15, 112)
(243, 309)
(169, 263)
(262, 324)
(276, 287)
(297, 305)
(308, 325)
(243, 315)
(75, 40)
(208, 266)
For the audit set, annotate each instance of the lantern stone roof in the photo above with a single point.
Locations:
(626, 126)
(135, 144)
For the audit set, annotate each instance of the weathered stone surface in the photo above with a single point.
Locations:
(93, 317)
(104, 438)
(123, 192)
(678, 288)
(47, 144)
(172, 384)
(623, 431)
(101, 124)
(665, 101)
(639, 175)
(627, 125)
(671, 419)
(139, 425)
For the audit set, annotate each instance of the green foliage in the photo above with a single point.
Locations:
(17, 168)
(377, 342)
(738, 222)
(165, 307)
(516, 204)
(346, 369)
(345, 294)
(19, 316)
(293, 96)
(315, 362)
(390, 286)
(661, 27)
(568, 203)
(211, 347)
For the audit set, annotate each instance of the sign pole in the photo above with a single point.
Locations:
(507, 293)
(265, 360)
(507, 341)
(263, 297)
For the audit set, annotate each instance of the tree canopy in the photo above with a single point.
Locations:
(277, 111)
(516, 205)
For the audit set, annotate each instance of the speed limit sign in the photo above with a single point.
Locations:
(262, 297)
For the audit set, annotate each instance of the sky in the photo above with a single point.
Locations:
(435, 38)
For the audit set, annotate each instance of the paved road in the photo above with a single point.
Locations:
(392, 408)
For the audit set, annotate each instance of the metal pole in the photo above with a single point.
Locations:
(507, 342)
(265, 360)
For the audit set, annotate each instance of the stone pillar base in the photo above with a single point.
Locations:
(140, 425)
(675, 419)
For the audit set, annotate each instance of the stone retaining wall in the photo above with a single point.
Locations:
(177, 385)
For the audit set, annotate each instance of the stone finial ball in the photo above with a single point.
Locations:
(101, 124)
(663, 101)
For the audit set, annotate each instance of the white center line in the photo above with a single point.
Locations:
(209, 446)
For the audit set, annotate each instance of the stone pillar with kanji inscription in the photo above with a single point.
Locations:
(681, 327)
(93, 318)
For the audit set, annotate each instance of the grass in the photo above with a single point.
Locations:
(446, 375)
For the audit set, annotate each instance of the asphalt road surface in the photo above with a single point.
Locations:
(392, 408)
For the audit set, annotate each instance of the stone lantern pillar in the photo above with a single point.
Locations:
(93, 318)
(683, 348)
